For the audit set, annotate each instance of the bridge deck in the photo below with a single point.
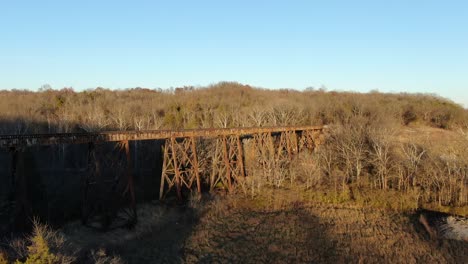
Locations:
(8, 141)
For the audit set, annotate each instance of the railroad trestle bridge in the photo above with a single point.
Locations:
(105, 199)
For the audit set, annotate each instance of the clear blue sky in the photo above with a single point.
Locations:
(412, 46)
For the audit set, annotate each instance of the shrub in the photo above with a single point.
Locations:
(409, 115)
(3, 258)
(39, 251)
(44, 246)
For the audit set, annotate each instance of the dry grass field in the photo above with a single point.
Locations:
(302, 234)
(278, 227)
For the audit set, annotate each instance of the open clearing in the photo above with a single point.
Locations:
(236, 229)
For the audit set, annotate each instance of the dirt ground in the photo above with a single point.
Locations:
(235, 229)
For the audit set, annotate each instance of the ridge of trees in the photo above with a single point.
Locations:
(225, 104)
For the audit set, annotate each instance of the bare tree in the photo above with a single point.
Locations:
(140, 122)
(222, 119)
(120, 119)
(258, 116)
(95, 120)
(413, 156)
(381, 157)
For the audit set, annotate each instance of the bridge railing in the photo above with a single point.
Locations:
(27, 140)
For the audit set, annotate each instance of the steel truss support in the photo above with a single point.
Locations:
(227, 163)
(272, 149)
(264, 151)
(287, 144)
(108, 196)
(308, 140)
(180, 166)
(23, 209)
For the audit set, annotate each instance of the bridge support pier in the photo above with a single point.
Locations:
(227, 163)
(308, 140)
(23, 209)
(180, 166)
(108, 197)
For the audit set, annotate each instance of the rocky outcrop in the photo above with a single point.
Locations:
(444, 226)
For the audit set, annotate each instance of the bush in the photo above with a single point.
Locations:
(3, 258)
(39, 251)
(44, 246)
(409, 115)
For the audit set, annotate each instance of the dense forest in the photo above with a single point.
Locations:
(366, 151)
(220, 105)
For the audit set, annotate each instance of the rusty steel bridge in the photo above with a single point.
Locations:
(181, 170)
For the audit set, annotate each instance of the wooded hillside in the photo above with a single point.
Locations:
(220, 105)
(379, 145)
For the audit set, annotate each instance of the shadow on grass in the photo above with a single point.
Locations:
(181, 234)
(257, 236)
(159, 236)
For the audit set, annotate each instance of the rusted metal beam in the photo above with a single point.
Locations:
(92, 178)
(287, 136)
(129, 189)
(227, 163)
(195, 163)
(167, 161)
(108, 198)
(240, 156)
(85, 210)
(176, 169)
(13, 164)
(8, 141)
(216, 167)
(23, 209)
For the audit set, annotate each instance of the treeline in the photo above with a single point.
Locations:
(220, 105)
